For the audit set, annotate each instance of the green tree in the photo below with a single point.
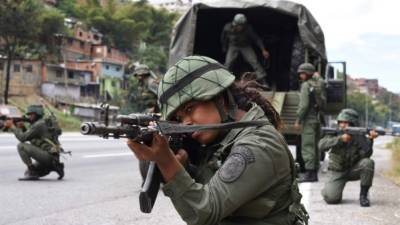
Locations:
(377, 111)
(51, 22)
(127, 26)
(68, 7)
(392, 100)
(19, 26)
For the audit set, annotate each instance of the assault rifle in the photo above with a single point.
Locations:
(350, 130)
(15, 120)
(139, 128)
(358, 135)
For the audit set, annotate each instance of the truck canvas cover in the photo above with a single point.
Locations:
(286, 29)
(198, 31)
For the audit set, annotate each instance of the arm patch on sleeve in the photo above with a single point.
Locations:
(235, 164)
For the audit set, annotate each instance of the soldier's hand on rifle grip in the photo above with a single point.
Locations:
(373, 134)
(346, 137)
(9, 124)
(20, 124)
(182, 156)
(158, 151)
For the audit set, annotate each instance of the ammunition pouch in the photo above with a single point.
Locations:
(56, 149)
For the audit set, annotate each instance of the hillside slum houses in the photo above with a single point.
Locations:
(84, 71)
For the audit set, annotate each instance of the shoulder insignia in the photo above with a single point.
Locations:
(248, 155)
(236, 163)
(232, 168)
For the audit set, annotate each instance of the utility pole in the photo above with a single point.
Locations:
(390, 107)
(366, 109)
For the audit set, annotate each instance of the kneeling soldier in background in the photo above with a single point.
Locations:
(348, 161)
(43, 145)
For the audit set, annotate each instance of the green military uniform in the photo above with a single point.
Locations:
(145, 100)
(309, 119)
(248, 177)
(145, 96)
(347, 162)
(39, 143)
(236, 42)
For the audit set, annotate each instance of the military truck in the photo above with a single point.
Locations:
(290, 34)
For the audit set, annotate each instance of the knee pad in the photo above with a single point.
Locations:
(367, 163)
(331, 198)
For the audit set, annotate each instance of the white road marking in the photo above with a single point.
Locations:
(305, 190)
(107, 155)
(8, 147)
(81, 139)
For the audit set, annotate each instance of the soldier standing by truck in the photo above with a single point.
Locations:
(237, 38)
(310, 105)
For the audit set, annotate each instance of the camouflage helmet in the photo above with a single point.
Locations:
(192, 78)
(307, 68)
(141, 70)
(239, 19)
(38, 109)
(348, 115)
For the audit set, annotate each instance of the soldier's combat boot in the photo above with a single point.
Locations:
(59, 169)
(29, 174)
(364, 201)
(309, 176)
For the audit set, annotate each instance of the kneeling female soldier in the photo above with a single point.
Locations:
(246, 175)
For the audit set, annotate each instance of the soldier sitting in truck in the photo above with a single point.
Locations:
(237, 37)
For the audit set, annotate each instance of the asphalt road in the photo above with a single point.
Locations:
(101, 187)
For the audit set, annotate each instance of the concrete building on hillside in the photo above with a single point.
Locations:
(111, 78)
(69, 83)
(367, 86)
(72, 48)
(25, 77)
(93, 36)
(109, 54)
(99, 67)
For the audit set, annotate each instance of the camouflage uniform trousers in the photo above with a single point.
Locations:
(309, 144)
(333, 189)
(27, 152)
(249, 56)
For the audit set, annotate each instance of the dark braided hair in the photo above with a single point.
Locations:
(248, 90)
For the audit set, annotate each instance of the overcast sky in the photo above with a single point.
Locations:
(365, 33)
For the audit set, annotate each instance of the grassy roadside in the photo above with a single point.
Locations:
(67, 122)
(394, 173)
